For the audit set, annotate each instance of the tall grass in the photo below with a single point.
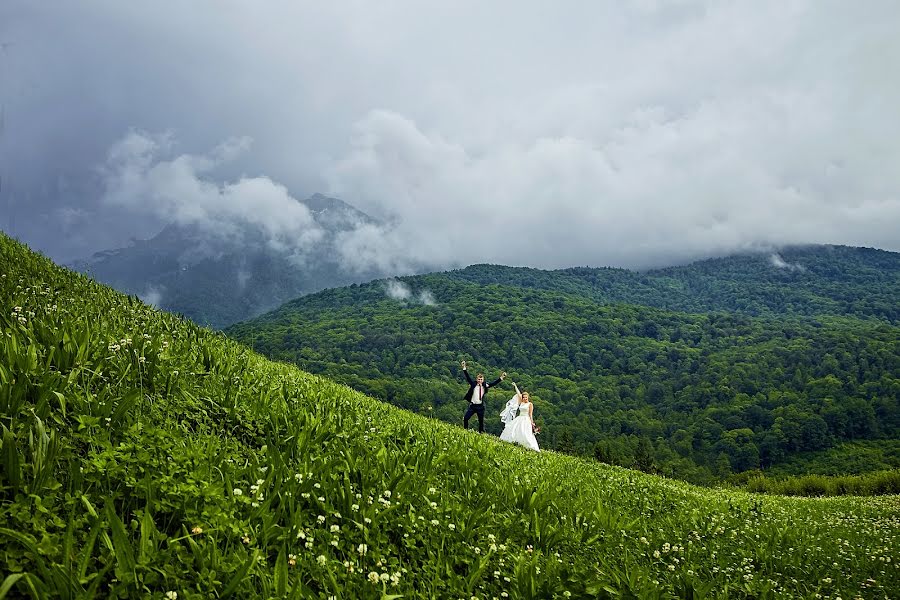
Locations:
(145, 457)
(870, 484)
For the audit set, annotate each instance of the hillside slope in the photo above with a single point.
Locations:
(143, 456)
(699, 395)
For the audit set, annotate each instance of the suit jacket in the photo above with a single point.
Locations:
(472, 385)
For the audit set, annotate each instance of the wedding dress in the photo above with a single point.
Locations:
(518, 430)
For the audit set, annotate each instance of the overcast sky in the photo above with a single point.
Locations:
(548, 134)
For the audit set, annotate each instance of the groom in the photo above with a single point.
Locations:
(478, 389)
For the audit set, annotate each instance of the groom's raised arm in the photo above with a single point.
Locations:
(466, 373)
(499, 379)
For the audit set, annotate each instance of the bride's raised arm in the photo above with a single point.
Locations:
(518, 393)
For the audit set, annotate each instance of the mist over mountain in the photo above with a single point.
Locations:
(217, 279)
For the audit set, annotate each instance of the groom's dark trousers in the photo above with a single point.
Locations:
(475, 409)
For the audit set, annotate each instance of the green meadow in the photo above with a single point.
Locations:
(143, 456)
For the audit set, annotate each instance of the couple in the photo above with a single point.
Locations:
(517, 414)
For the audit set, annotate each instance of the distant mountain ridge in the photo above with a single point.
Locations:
(216, 281)
(799, 280)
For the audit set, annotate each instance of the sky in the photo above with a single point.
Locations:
(605, 133)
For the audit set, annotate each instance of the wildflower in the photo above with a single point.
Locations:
(384, 577)
(171, 595)
(292, 559)
(432, 490)
(335, 528)
(321, 518)
(452, 527)
(362, 549)
(197, 530)
(373, 576)
(246, 539)
(237, 491)
(435, 522)
(354, 507)
(321, 559)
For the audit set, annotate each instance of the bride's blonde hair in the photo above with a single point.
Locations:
(524, 396)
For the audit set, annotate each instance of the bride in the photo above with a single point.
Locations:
(519, 429)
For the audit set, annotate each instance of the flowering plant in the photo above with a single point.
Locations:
(535, 429)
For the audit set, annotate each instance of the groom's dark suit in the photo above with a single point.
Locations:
(476, 408)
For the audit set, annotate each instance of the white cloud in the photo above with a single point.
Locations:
(778, 262)
(152, 295)
(623, 133)
(141, 174)
(397, 290)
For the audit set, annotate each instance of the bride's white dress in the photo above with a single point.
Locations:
(519, 430)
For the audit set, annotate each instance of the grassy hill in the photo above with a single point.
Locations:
(696, 396)
(145, 457)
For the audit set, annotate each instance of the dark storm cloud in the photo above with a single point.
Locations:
(617, 133)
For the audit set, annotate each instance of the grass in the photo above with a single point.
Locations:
(143, 456)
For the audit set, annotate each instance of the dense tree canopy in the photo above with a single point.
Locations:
(694, 395)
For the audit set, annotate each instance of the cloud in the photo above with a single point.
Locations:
(152, 295)
(144, 175)
(621, 133)
(779, 263)
(427, 298)
(397, 290)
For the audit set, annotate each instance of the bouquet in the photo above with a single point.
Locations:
(535, 429)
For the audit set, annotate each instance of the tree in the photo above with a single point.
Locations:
(643, 456)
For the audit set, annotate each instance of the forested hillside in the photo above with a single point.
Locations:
(807, 280)
(696, 395)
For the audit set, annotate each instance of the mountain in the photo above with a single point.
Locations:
(749, 364)
(216, 281)
(803, 280)
(144, 456)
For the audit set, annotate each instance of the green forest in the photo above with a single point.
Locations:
(746, 367)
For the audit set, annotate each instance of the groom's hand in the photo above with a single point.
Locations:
(463, 363)
(502, 375)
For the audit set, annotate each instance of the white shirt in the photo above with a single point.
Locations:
(477, 394)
